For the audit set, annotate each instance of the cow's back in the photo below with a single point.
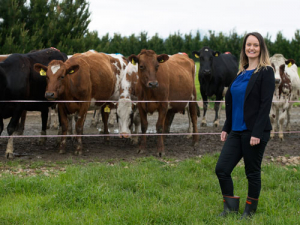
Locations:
(102, 76)
(179, 73)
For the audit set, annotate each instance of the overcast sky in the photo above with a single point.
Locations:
(166, 17)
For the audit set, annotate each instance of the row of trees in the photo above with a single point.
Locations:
(37, 24)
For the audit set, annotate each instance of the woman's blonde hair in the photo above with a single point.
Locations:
(264, 59)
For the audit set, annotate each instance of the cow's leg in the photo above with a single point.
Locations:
(93, 122)
(272, 119)
(162, 114)
(144, 127)
(1, 125)
(44, 115)
(64, 128)
(11, 130)
(168, 121)
(56, 118)
(288, 115)
(281, 119)
(21, 125)
(205, 105)
(105, 116)
(193, 115)
(79, 129)
(137, 127)
(49, 118)
(112, 117)
(190, 129)
(217, 108)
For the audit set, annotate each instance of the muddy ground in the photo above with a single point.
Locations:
(178, 146)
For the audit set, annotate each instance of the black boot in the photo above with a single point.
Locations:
(231, 204)
(250, 209)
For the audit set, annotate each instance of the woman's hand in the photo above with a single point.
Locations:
(254, 141)
(223, 136)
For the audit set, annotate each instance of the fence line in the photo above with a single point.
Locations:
(118, 135)
(109, 101)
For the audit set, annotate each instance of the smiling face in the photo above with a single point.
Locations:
(252, 48)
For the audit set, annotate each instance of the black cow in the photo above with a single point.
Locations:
(19, 81)
(216, 72)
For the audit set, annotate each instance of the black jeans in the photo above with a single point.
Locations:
(237, 145)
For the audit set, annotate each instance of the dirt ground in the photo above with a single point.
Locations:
(178, 146)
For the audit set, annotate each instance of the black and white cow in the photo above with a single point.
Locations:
(216, 73)
(19, 81)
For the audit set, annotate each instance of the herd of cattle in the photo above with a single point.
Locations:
(162, 83)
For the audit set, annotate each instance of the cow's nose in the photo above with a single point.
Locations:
(206, 71)
(153, 84)
(277, 81)
(49, 95)
(124, 135)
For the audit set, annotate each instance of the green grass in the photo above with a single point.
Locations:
(145, 191)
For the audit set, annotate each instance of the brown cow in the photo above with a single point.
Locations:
(83, 77)
(163, 79)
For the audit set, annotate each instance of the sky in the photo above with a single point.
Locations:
(167, 17)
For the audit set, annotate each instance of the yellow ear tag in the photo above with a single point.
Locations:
(107, 109)
(43, 72)
(197, 56)
(161, 61)
(216, 54)
(133, 62)
(72, 71)
(290, 64)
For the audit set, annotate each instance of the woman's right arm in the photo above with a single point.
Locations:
(223, 136)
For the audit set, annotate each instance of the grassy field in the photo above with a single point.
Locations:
(145, 191)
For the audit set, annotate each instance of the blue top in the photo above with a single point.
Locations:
(238, 90)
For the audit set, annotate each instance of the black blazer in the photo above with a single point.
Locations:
(257, 102)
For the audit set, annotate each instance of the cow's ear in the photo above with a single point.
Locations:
(72, 69)
(290, 62)
(217, 53)
(133, 59)
(162, 58)
(40, 68)
(196, 54)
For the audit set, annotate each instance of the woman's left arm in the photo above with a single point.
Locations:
(266, 89)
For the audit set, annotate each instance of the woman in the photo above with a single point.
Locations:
(246, 131)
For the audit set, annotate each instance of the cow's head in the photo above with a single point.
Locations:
(148, 65)
(55, 73)
(276, 61)
(206, 57)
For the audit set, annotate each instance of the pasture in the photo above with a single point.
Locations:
(142, 191)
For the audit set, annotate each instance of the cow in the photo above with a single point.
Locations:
(19, 81)
(86, 77)
(127, 114)
(287, 88)
(162, 79)
(216, 73)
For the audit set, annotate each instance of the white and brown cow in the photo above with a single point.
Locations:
(163, 79)
(84, 77)
(287, 84)
(128, 115)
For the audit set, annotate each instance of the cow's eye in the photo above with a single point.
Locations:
(142, 67)
(62, 77)
(157, 67)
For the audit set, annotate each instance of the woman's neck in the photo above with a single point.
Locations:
(252, 64)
